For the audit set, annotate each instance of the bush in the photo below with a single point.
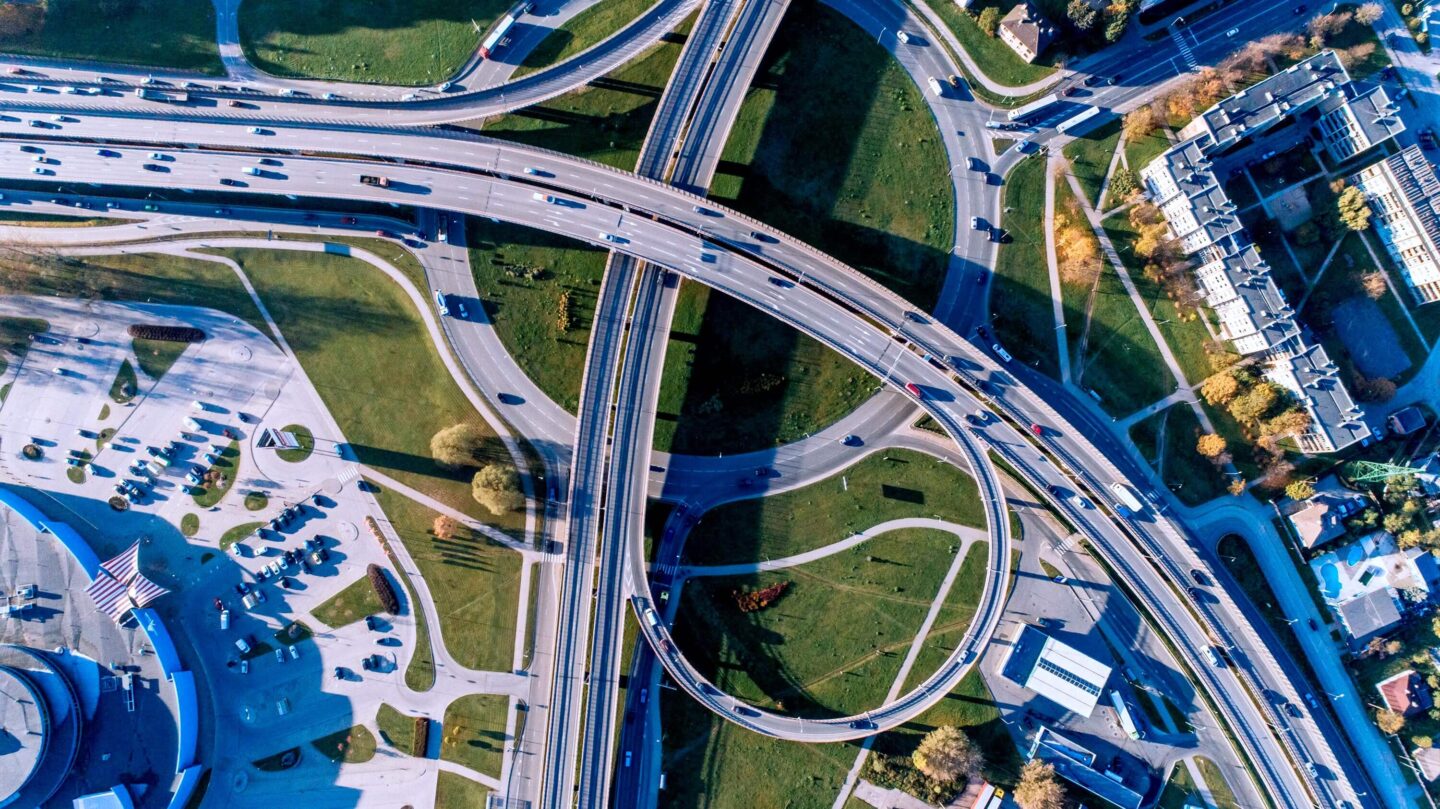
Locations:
(169, 334)
(383, 590)
(756, 600)
(989, 20)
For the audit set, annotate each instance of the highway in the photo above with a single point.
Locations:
(733, 249)
(667, 233)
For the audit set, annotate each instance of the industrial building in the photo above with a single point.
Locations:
(1058, 672)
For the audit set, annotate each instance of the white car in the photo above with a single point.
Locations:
(1232, 32)
(903, 37)
(255, 130)
(242, 645)
(1079, 502)
(440, 304)
(1001, 352)
(279, 655)
(546, 198)
(252, 171)
(294, 652)
(975, 223)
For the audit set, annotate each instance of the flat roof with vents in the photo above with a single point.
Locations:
(1056, 671)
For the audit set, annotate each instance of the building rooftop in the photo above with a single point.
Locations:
(1369, 615)
(1266, 103)
(25, 722)
(1428, 759)
(1075, 764)
(1322, 517)
(1029, 26)
(1353, 120)
(1405, 693)
(1335, 419)
(1407, 420)
(1060, 673)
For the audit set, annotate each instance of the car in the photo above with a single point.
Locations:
(367, 664)
(31, 149)
(1310, 622)
(1079, 502)
(1310, 700)
(279, 655)
(224, 618)
(348, 220)
(914, 390)
(611, 237)
(851, 440)
(1301, 9)
(107, 153)
(286, 91)
(1110, 82)
(38, 170)
(330, 96)
(339, 673)
(282, 706)
(40, 158)
(409, 96)
(150, 206)
(229, 181)
(1092, 80)
(862, 724)
(975, 223)
(627, 758)
(1036, 429)
(974, 163)
(1232, 32)
(1001, 352)
(440, 304)
(232, 103)
(243, 644)
(255, 130)
(1199, 577)
(154, 167)
(294, 652)
(1059, 579)
(1310, 768)
(252, 171)
(445, 87)
(1070, 91)
(534, 172)
(1293, 710)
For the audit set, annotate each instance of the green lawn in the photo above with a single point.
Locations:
(150, 277)
(396, 729)
(227, 465)
(474, 732)
(1179, 790)
(156, 356)
(522, 275)
(1025, 323)
(126, 384)
(353, 745)
(607, 119)
(407, 42)
(862, 175)
(1118, 343)
(303, 437)
(1181, 327)
(834, 642)
(458, 792)
(884, 486)
(177, 34)
(190, 524)
(999, 62)
(970, 707)
(589, 27)
(1219, 789)
(1139, 153)
(254, 501)
(1356, 34)
(237, 533)
(736, 379)
(364, 347)
(1197, 478)
(475, 583)
(1090, 156)
(1075, 291)
(356, 601)
(10, 216)
(15, 334)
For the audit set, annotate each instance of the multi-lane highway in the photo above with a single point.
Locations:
(662, 226)
(825, 299)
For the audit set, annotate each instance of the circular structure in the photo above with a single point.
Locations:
(24, 732)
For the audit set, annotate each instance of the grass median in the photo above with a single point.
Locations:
(177, 34)
(354, 602)
(883, 486)
(1024, 316)
(1192, 477)
(1090, 155)
(384, 42)
(474, 732)
(581, 32)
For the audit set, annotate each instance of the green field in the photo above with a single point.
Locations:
(1139, 153)
(303, 437)
(522, 275)
(474, 732)
(151, 277)
(177, 34)
(607, 119)
(364, 347)
(999, 62)
(736, 379)
(406, 42)
(1090, 156)
(1192, 477)
(189, 524)
(1179, 790)
(10, 216)
(458, 792)
(863, 175)
(126, 384)
(156, 356)
(236, 533)
(882, 486)
(1117, 344)
(1023, 315)
(834, 642)
(590, 27)
(396, 729)
(474, 581)
(1219, 789)
(15, 334)
(356, 601)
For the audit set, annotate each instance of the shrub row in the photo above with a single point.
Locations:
(422, 737)
(383, 590)
(171, 334)
(756, 600)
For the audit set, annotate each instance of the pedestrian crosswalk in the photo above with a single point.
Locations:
(1177, 35)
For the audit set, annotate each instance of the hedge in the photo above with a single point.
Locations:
(386, 593)
(170, 334)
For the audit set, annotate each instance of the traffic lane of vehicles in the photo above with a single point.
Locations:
(592, 225)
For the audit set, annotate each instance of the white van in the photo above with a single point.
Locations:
(224, 619)
(936, 86)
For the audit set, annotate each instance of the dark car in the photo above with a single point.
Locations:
(229, 181)
(1199, 577)
(1310, 622)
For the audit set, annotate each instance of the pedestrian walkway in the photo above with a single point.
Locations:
(966, 534)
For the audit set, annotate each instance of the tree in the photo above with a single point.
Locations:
(1373, 282)
(946, 755)
(1300, 490)
(1395, 522)
(444, 527)
(1252, 405)
(1140, 123)
(989, 20)
(1292, 422)
(1082, 15)
(1115, 28)
(1210, 445)
(1123, 183)
(1354, 210)
(1368, 14)
(1219, 389)
(1325, 26)
(1039, 787)
(1389, 722)
(458, 446)
(497, 488)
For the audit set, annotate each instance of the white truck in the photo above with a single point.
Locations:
(1126, 501)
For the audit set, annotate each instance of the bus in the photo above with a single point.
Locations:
(1034, 108)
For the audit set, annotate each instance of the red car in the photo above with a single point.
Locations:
(349, 220)
(914, 390)
(1037, 429)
